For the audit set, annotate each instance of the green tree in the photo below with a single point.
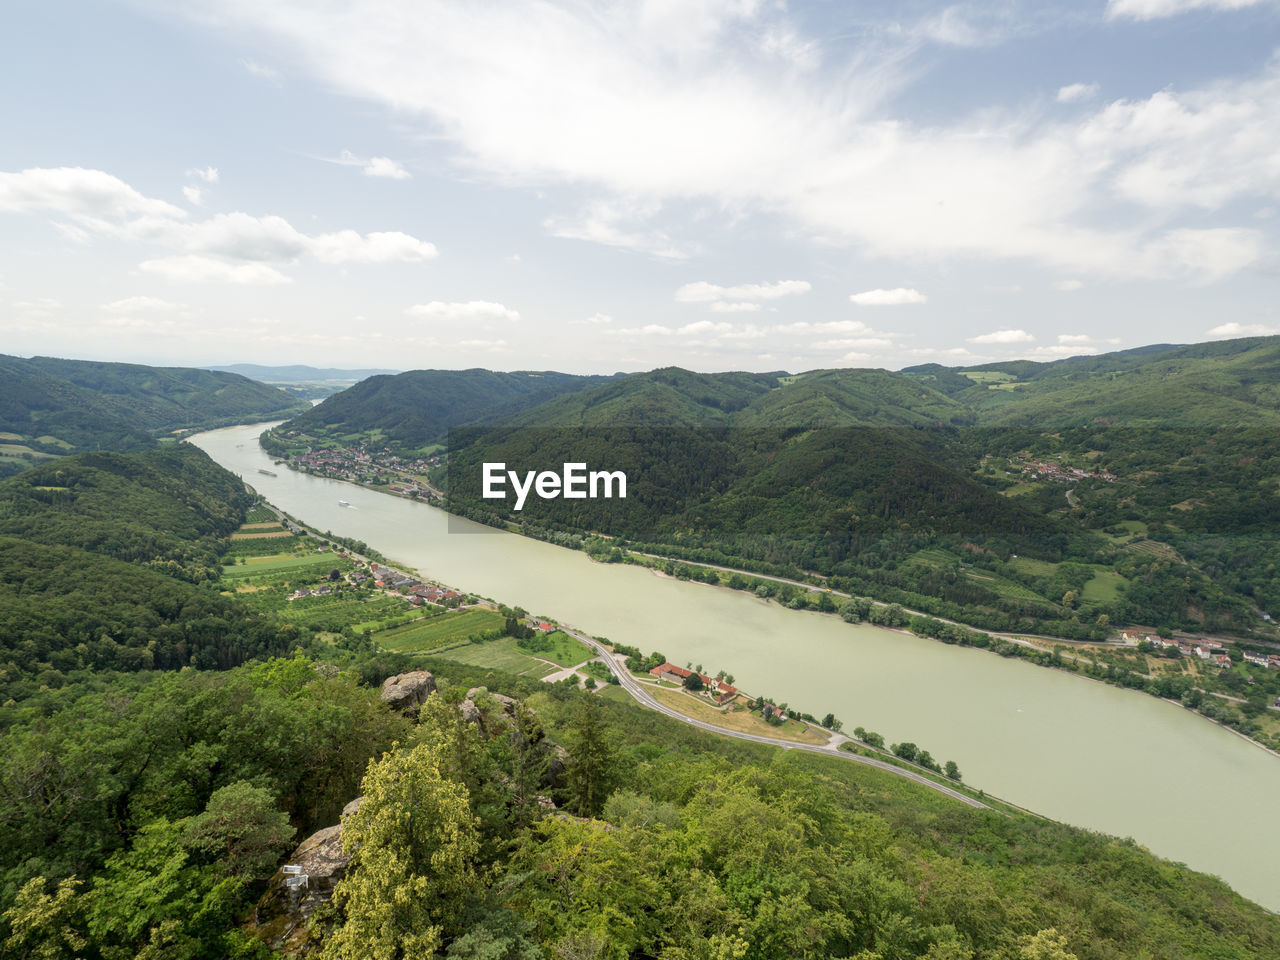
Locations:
(592, 768)
(951, 770)
(43, 926)
(414, 843)
(906, 750)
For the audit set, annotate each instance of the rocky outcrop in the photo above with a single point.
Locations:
(407, 692)
(281, 916)
(351, 808)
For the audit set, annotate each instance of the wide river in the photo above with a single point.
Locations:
(1079, 751)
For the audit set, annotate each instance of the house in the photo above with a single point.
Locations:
(1273, 662)
(669, 671)
(544, 626)
(1223, 661)
(1259, 658)
(1203, 652)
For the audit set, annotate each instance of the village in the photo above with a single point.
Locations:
(1047, 469)
(400, 475)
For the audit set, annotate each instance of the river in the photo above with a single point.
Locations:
(1076, 750)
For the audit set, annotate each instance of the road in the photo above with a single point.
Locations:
(644, 698)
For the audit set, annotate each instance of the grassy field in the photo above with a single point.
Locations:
(1103, 588)
(499, 655)
(1036, 568)
(563, 649)
(734, 719)
(260, 514)
(439, 631)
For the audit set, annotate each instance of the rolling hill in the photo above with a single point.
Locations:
(51, 407)
(1130, 487)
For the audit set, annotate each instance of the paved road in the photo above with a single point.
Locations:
(639, 693)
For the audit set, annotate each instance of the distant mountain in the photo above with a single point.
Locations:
(51, 407)
(299, 373)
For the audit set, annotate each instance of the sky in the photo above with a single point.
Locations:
(616, 186)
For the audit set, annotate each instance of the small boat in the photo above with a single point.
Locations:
(268, 473)
(344, 503)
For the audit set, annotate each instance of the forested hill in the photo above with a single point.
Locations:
(1068, 497)
(415, 409)
(109, 561)
(1229, 383)
(51, 407)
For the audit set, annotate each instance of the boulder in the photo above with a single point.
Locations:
(407, 692)
(470, 712)
(351, 807)
(280, 918)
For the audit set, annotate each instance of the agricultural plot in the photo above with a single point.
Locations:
(501, 655)
(441, 630)
(297, 564)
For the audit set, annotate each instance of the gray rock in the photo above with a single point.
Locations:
(470, 712)
(407, 692)
(280, 918)
(351, 807)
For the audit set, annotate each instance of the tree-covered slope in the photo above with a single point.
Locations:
(170, 507)
(419, 407)
(1233, 383)
(109, 561)
(50, 407)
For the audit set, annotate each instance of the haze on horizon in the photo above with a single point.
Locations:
(714, 184)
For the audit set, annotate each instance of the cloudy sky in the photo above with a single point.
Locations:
(601, 186)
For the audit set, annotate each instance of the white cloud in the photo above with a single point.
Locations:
(723, 306)
(1004, 336)
(492, 345)
(135, 304)
(77, 192)
(469, 311)
(704, 328)
(1074, 338)
(1236, 329)
(649, 118)
(208, 174)
(703, 292)
(194, 269)
(648, 330)
(261, 71)
(374, 166)
(595, 320)
(862, 343)
(1066, 286)
(606, 223)
(888, 298)
(193, 195)
(1156, 9)
(385, 167)
(1075, 92)
(100, 204)
(347, 246)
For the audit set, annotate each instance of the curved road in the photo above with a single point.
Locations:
(646, 699)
